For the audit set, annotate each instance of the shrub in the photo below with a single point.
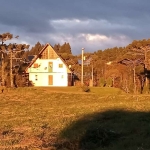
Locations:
(102, 82)
(85, 88)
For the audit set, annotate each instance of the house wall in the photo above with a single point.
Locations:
(44, 66)
(42, 79)
(40, 75)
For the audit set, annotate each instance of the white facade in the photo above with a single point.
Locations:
(49, 72)
(39, 79)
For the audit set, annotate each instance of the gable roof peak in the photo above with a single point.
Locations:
(37, 56)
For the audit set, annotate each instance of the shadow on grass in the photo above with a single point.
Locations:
(110, 130)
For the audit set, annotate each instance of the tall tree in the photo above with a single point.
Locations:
(36, 49)
(10, 50)
(3, 37)
(65, 48)
(57, 47)
(141, 48)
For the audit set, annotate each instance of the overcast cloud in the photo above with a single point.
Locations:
(92, 24)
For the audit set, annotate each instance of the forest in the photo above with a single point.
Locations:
(126, 67)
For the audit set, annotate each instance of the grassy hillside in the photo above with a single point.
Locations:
(69, 119)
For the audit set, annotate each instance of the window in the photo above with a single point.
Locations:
(50, 66)
(60, 65)
(35, 65)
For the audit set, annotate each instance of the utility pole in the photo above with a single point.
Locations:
(92, 74)
(11, 75)
(2, 69)
(12, 57)
(12, 51)
(2, 64)
(82, 67)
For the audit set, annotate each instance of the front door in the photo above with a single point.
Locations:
(50, 80)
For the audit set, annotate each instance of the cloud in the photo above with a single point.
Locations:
(94, 24)
(93, 34)
(90, 42)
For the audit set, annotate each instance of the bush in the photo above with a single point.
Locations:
(102, 82)
(85, 88)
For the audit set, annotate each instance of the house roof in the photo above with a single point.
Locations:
(131, 62)
(37, 56)
(86, 61)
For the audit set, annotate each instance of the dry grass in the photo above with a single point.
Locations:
(37, 118)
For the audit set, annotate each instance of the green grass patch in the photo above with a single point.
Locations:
(68, 118)
(106, 90)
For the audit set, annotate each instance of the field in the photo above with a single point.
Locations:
(70, 119)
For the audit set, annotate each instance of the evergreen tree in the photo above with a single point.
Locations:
(57, 47)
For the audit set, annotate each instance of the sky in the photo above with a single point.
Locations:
(90, 24)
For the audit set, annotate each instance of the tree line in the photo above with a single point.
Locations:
(122, 67)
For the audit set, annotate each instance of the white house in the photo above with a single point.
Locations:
(49, 69)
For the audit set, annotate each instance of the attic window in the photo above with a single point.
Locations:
(60, 65)
(35, 66)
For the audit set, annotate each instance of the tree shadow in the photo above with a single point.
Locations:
(109, 130)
